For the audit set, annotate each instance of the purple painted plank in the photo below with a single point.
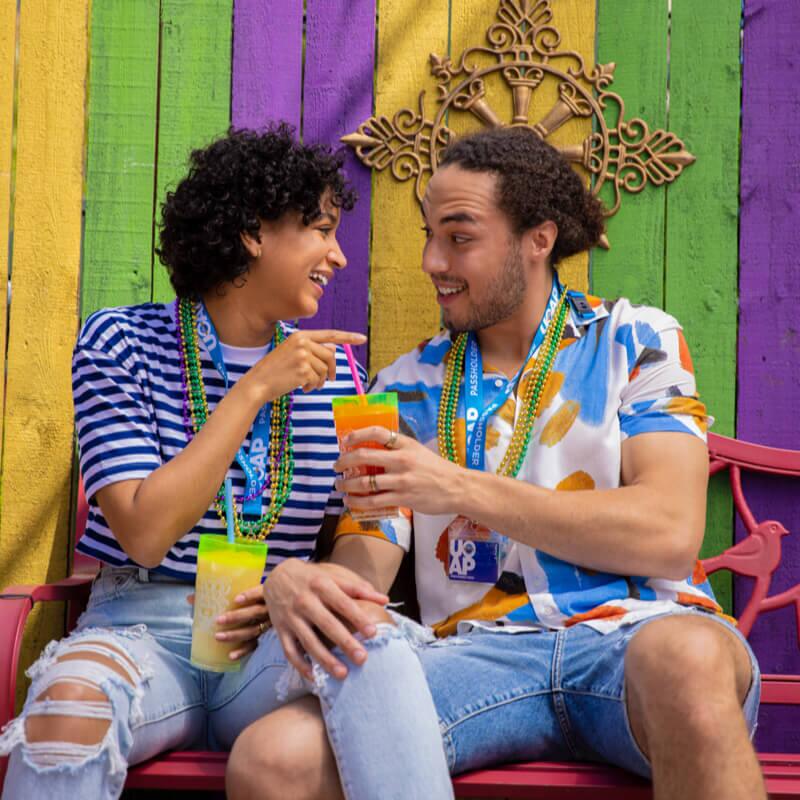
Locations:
(267, 81)
(337, 97)
(769, 322)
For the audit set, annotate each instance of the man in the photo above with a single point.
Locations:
(553, 453)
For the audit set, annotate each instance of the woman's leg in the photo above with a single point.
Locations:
(99, 700)
(295, 752)
(262, 686)
(387, 692)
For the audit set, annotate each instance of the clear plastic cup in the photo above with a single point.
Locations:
(361, 411)
(224, 570)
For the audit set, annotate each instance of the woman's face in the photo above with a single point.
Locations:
(294, 263)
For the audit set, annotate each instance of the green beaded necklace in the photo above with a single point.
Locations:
(532, 395)
(281, 445)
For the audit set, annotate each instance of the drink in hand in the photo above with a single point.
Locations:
(362, 411)
(224, 570)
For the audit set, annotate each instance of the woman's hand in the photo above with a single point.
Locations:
(305, 360)
(415, 477)
(243, 624)
(306, 601)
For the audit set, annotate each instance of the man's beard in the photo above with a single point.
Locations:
(504, 297)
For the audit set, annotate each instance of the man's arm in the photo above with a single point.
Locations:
(651, 525)
(377, 560)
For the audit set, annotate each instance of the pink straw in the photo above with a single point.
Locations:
(348, 351)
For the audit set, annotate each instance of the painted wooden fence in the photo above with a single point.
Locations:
(100, 104)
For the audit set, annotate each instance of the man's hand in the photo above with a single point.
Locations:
(415, 477)
(243, 624)
(306, 601)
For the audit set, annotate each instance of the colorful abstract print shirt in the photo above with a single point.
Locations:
(621, 371)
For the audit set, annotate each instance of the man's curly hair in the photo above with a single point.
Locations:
(240, 179)
(535, 184)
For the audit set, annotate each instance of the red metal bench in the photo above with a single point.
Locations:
(756, 556)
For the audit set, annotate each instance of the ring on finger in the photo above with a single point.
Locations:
(262, 626)
(391, 441)
(373, 483)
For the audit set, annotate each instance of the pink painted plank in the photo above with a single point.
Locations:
(769, 330)
(267, 80)
(337, 97)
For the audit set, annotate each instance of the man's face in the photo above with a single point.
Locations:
(471, 253)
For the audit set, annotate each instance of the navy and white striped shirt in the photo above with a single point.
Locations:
(127, 390)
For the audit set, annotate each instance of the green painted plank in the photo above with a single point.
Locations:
(634, 37)
(120, 169)
(194, 104)
(702, 219)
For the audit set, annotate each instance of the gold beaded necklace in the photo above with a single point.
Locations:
(531, 395)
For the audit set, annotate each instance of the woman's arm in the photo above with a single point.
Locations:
(148, 516)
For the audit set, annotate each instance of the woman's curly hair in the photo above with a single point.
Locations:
(234, 183)
(535, 184)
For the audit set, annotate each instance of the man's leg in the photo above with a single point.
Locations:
(686, 678)
(284, 754)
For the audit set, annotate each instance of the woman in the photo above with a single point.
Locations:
(169, 400)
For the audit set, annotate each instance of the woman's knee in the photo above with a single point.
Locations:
(77, 690)
(78, 724)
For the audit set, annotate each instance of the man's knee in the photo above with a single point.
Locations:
(683, 674)
(282, 755)
(685, 655)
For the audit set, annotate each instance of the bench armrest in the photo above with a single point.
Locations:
(16, 603)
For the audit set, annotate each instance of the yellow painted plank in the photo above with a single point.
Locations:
(34, 522)
(575, 20)
(403, 306)
(8, 35)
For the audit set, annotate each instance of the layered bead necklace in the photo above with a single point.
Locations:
(531, 395)
(195, 413)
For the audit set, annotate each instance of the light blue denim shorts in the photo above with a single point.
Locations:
(550, 695)
(178, 705)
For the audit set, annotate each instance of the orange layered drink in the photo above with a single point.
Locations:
(224, 570)
(363, 411)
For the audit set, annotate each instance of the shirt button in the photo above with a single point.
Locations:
(498, 383)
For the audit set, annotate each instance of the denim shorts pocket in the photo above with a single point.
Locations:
(111, 583)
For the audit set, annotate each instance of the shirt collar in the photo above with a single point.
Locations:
(585, 308)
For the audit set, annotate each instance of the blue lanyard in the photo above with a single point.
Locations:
(253, 463)
(477, 416)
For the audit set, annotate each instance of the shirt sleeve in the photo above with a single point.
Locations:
(661, 394)
(396, 530)
(116, 433)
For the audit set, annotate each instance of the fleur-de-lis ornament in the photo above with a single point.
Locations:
(523, 48)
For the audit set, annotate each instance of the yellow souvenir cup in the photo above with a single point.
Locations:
(224, 570)
(362, 411)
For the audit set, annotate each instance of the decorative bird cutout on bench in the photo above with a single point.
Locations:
(756, 556)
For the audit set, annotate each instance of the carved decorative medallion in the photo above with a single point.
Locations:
(523, 49)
